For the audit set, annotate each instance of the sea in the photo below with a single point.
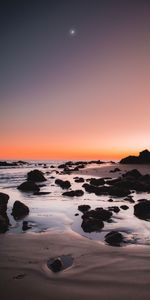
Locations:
(54, 211)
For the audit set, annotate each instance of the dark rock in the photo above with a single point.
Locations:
(62, 166)
(90, 225)
(129, 199)
(80, 179)
(116, 209)
(21, 162)
(113, 181)
(3, 202)
(56, 265)
(4, 224)
(41, 193)
(8, 164)
(19, 210)
(36, 176)
(25, 226)
(133, 174)
(97, 181)
(110, 200)
(63, 184)
(143, 158)
(114, 238)
(115, 170)
(118, 192)
(75, 193)
(84, 208)
(99, 213)
(95, 189)
(142, 210)
(124, 207)
(4, 198)
(28, 186)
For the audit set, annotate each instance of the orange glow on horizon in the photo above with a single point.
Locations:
(47, 154)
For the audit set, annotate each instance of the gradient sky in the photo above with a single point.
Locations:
(74, 97)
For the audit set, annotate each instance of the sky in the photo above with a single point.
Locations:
(74, 78)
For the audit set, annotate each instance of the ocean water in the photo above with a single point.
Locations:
(56, 212)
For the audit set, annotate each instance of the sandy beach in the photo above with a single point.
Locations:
(99, 271)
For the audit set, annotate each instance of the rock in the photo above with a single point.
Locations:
(84, 208)
(21, 162)
(8, 164)
(97, 181)
(118, 192)
(143, 158)
(99, 213)
(63, 184)
(116, 209)
(95, 189)
(36, 176)
(142, 210)
(114, 238)
(3, 202)
(76, 193)
(125, 207)
(4, 224)
(133, 174)
(41, 193)
(110, 200)
(19, 210)
(25, 226)
(115, 170)
(3, 198)
(56, 265)
(129, 199)
(91, 225)
(80, 179)
(28, 186)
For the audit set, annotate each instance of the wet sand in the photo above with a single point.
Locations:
(98, 271)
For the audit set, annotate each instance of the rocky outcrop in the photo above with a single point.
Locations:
(36, 176)
(143, 158)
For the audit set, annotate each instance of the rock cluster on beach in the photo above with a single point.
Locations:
(30, 185)
(143, 158)
(19, 211)
(12, 164)
(121, 186)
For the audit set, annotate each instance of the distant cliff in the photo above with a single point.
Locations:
(143, 158)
